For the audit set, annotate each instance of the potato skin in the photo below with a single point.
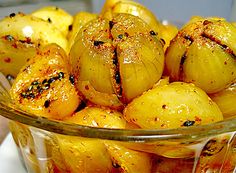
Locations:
(202, 53)
(172, 106)
(43, 86)
(14, 54)
(226, 99)
(28, 28)
(56, 16)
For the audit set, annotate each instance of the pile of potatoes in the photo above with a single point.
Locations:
(122, 69)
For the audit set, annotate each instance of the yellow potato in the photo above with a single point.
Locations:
(83, 155)
(32, 30)
(127, 160)
(172, 106)
(14, 54)
(203, 53)
(58, 17)
(113, 55)
(98, 117)
(123, 159)
(226, 99)
(133, 8)
(44, 85)
(79, 20)
(168, 32)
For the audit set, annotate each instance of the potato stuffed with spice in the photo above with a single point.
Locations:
(203, 53)
(45, 86)
(172, 106)
(110, 56)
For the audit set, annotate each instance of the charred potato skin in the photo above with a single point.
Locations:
(43, 86)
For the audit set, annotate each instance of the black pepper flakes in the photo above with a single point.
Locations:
(152, 32)
(98, 43)
(12, 15)
(111, 24)
(49, 20)
(117, 77)
(70, 27)
(188, 123)
(188, 37)
(9, 37)
(120, 36)
(9, 77)
(61, 75)
(47, 103)
(72, 79)
(35, 83)
(115, 165)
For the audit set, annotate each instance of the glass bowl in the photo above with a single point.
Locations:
(49, 146)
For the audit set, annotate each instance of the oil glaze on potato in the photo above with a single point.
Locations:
(32, 30)
(14, 54)
(172, 106)
(44, 85)
(56, 16)
(113, 55)
(203, 53)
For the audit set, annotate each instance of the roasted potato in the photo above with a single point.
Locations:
(123, 159)
(128, 161)
(14, 54)
(134, 8)
(45, 86)
(226, 99)
(172, 106)
(58, 17)
(202, 53)
(83, 155)
(32, 30)
(98, 117)
(113, 55)
(79, 20)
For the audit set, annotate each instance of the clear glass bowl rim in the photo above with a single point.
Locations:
(192, 133)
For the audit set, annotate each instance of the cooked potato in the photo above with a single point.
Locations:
(226, 99)
(79, 20)
(134, 8)
(83, 155)
(32, 30)
(14, 54)
(128, 161)
(202, 53)
(113, 55)
(123, 159)
(98, 117)
(172, 106)
(58, 17)
(168, 32)
(44, 85)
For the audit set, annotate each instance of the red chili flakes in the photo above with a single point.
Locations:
(197, 119)
(7, 60)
